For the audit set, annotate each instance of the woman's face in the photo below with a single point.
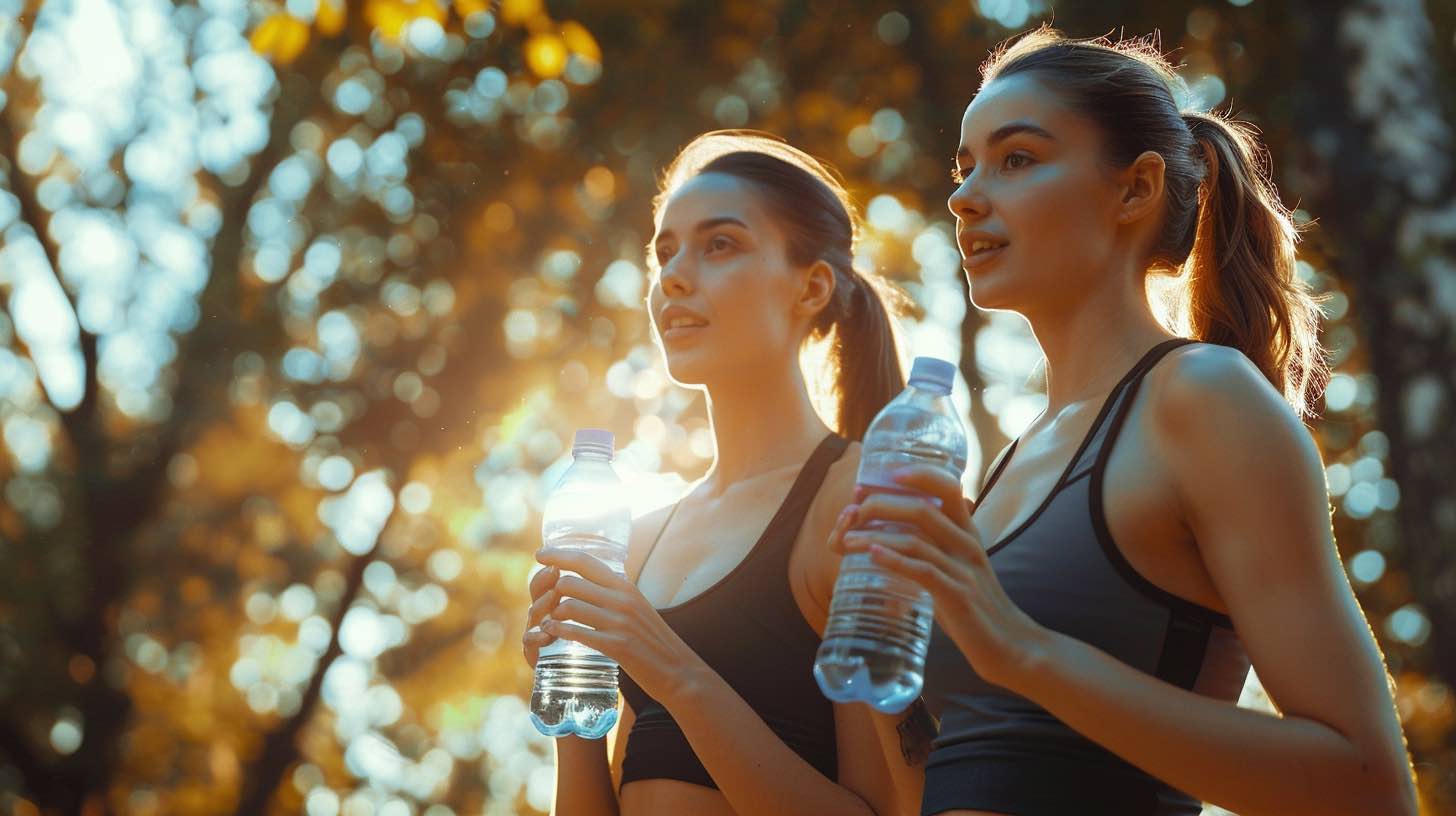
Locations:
(722, 303)
(1037, 209)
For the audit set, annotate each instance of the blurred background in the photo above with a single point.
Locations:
(302, 302)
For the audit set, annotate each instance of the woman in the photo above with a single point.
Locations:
(1164, 523)
(717, 625)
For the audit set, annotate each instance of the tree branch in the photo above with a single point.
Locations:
(280, 746)
(79, 422)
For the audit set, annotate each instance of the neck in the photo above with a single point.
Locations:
(1091, 344)
(760, 424)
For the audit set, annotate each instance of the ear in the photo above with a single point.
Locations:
(1142, 189)
(816, 290)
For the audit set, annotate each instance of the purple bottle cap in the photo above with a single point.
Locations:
(931, 374)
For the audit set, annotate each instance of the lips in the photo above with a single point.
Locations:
(677, 323)
(980, 248)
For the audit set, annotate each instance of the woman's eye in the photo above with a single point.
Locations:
(719, 243)
(1016, 161)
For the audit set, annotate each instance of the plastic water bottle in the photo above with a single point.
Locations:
(575, 690)
(879, 624)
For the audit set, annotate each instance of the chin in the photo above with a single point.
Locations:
(704, 367)
(686, 368)
(989, 294)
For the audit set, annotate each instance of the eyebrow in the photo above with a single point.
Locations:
(704, 226)
(1005, 132)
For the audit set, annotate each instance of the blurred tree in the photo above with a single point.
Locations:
(1377, 153)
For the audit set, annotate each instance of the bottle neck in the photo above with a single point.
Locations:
(930, 389)
(596, 455)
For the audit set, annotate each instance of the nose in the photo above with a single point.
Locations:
(674, 277)
(968, 202)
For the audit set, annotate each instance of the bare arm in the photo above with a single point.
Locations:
(1233, 443)
(1253, 492)
(872, 760)
(583, 779)
(752, 767)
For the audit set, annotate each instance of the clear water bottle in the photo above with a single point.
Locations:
(575, 690)
(879, 624)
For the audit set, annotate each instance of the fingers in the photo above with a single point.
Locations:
(585, 613)
(935, 482)
(574, 586)
(920, 512)
(605, 642)
(532, 643)
(922, 572)
(543, 580)
(842, 525)
(584, 564)
(541, 607)
(905, 544)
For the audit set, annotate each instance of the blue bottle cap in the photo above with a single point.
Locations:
(595, 441)
(931, 374)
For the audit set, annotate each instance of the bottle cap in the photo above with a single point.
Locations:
(931, 374)
(593, 441)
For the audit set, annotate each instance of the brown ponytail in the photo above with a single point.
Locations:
(814, 211)
(1224, 228)
(862, 350)
(1242, 288)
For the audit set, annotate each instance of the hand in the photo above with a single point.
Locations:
(947, 559)
(544, 598)
(603, 610)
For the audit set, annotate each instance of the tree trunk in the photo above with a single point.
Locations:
(1383, 189)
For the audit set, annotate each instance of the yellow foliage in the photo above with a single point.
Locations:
(580, 41)
(331, 17)
(391, 17)
(521, 12)
(465, 8)
(233, 464)
(388, 18)
(600, 183)
(546, 55)
(281, 37)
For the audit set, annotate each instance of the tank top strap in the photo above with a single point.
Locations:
(996, 470)
(771, 557)
(1114, 411)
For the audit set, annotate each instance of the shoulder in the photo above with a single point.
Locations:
(835, 492)
(1203, 388)
(1225, 432)
(815, 565)
(838, 487)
